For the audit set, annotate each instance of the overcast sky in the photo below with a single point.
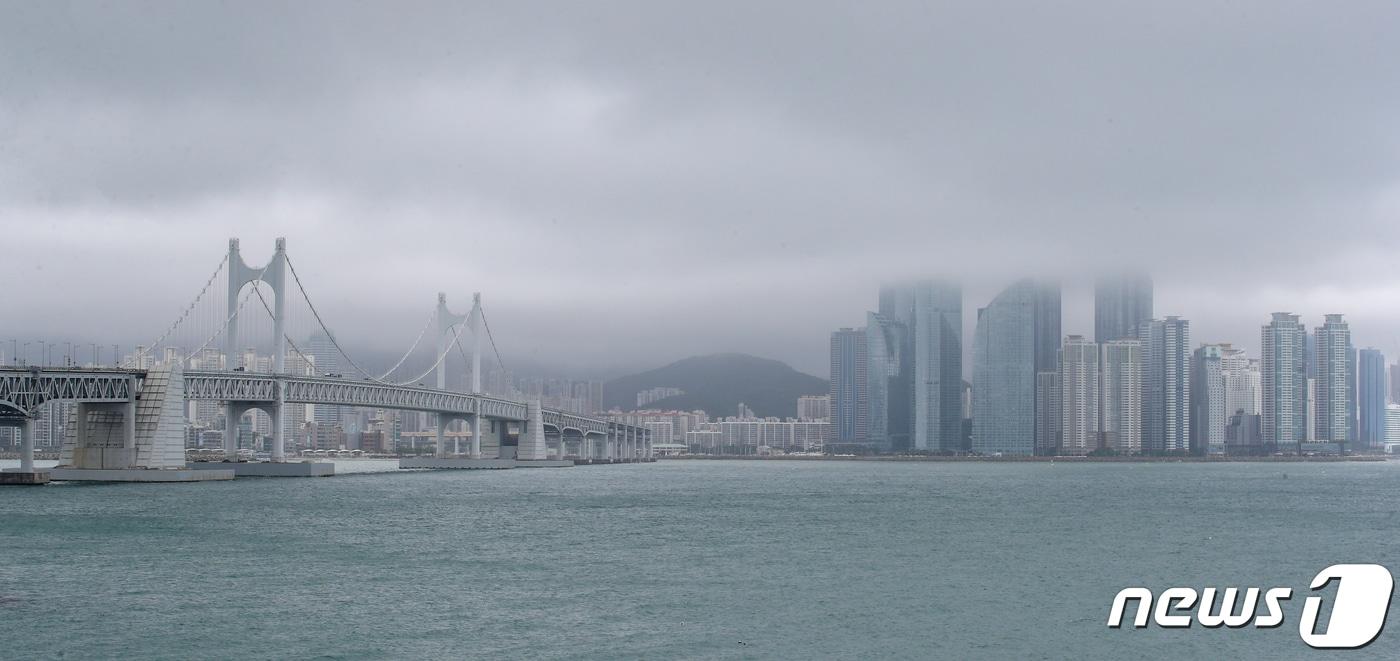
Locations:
(629, 183)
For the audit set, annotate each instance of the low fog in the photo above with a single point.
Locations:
(629, 183)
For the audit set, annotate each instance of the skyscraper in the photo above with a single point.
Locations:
(1079, 396)
(1283, 379)
(1004, 372)
(1122, 395)
(1370, 396)
(1241, 381)
(1208, 411)
(888, 380)
(1335, 378)
(1047, 363)
(1047, 413)
(326, 360)
(937, 338)
(848, 385)
(1395, 382)
(930, 312)
(1166, 385)
(1121, 304)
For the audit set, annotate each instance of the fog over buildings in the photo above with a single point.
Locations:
(630, 183)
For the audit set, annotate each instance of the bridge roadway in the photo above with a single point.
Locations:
(24, 389)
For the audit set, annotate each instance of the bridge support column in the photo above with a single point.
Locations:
(441, 450)
(476, 436)
(279, 454)
(26, 446)
(233, 416)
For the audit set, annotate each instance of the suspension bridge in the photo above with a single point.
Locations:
(129, 421)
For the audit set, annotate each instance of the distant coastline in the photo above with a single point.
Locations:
(1032, 459)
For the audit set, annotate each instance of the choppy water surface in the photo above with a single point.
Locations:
(726, 559)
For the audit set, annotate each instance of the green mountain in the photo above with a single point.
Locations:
(717, 384)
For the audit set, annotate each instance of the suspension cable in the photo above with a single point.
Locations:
(493, 340)
(415, 345)
(286, 337)
(135, 358)
(222, 327)
(445, 351)
(327, 331)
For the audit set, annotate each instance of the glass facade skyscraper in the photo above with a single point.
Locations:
(888, 370)
(1370, 396)
(1121, 304)
(930, 313)
(937, 337)
(1004, 372)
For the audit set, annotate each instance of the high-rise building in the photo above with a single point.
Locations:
(1004, 372)
(1370, 396)
(1047, 413)
(811, 408)
(930, 314)
(1121, 304)
(1209, 417)
(1392, 424)
(888, 374)
(1241, 381)
(1395, 382)
(1122, 395)
(1283, 379)
(1079, 396)
(1047, 347)
(326, 361)
(937, 338)
(1335, 377)
(1166, 384)
(848, 385)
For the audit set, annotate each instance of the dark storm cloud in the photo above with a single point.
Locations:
(635, 182)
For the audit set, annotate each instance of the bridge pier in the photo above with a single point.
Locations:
(441, 450)
(26, 446)
(279, 454)
(476, 436)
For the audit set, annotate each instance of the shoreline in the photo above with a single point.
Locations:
(1033, 459)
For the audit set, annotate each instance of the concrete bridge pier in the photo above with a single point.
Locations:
(26, 473)
(26, 446)
(475, 419)
(236, 411)
(279, 453)
(441, 450)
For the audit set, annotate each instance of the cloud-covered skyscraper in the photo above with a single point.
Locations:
(1121, 304)
(889, 376)
(930, 314)
(937, 338)
(1004, 372)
